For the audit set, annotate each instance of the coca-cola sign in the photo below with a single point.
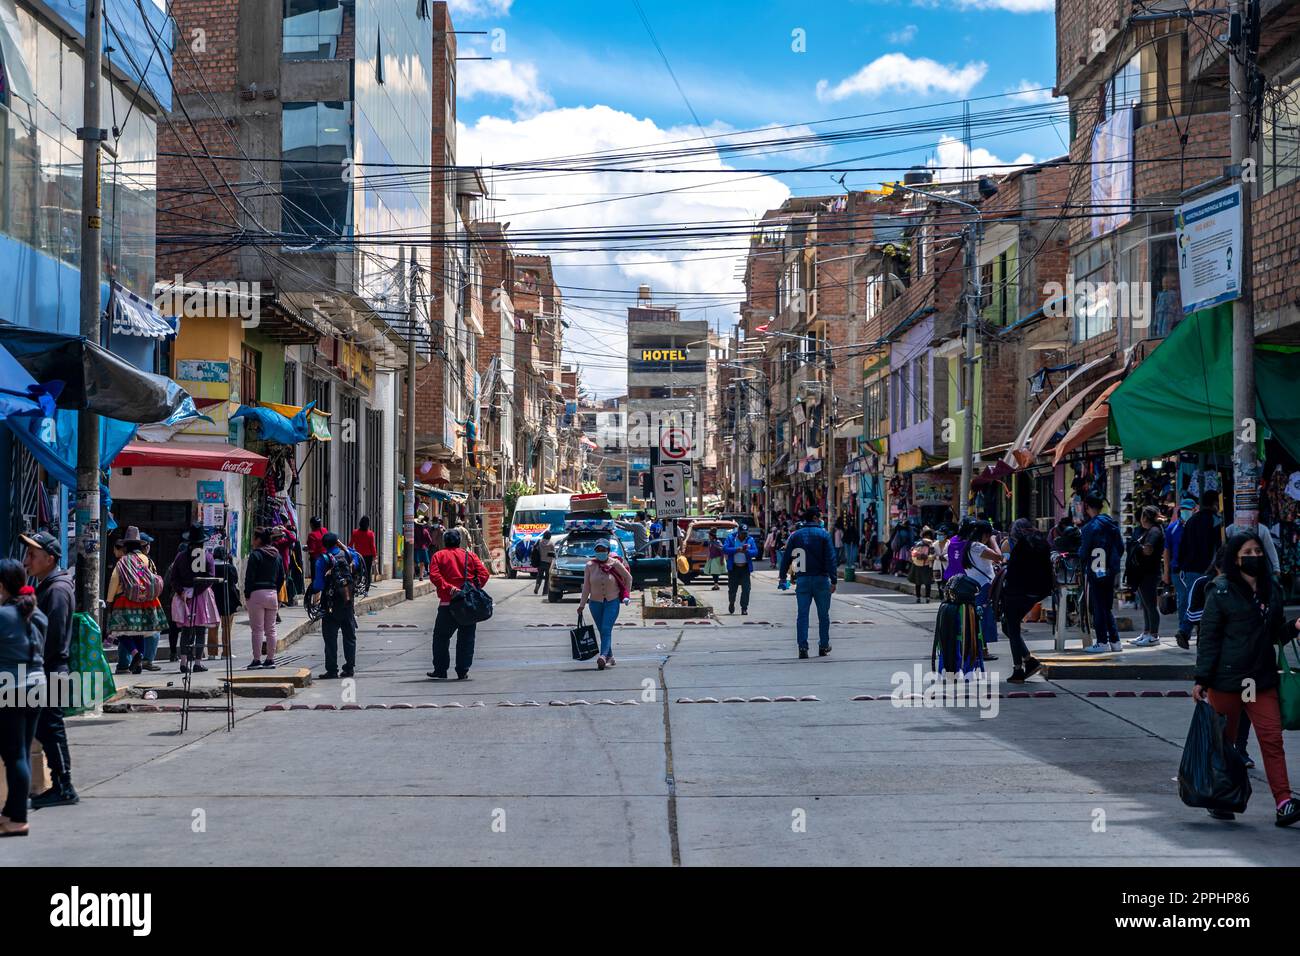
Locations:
(238, 467)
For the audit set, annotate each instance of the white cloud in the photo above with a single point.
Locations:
(585, 200)
(951, 160)
(1028, 91)
(904, 36)
(898, 72)
(514, 81)
(1010, 6)
(479, 8)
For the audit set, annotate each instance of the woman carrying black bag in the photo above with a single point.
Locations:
(1236, 659)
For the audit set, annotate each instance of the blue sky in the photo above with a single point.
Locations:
(583, 75)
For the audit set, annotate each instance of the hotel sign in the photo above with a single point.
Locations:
(664, 355)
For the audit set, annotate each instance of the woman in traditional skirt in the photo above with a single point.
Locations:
(194, 607)
(716, 565)
(130, 621)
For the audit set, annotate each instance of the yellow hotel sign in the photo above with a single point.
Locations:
(663, 355)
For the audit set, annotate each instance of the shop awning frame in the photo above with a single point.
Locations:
(201, 456)
(1016, 457)
(1091, 423)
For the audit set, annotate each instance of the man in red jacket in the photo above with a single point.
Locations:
(448, 569)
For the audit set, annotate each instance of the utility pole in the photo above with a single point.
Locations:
(968, 364)
(832, 406)
(1241, 65)
(91, 136)
(408, 503)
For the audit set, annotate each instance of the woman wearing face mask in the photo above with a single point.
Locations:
(606, 586)
(1237, 649)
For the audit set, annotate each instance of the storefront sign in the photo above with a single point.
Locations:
(1209, 249)
(932, 489)
(211, 492)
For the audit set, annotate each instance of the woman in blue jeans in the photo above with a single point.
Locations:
(606, 586)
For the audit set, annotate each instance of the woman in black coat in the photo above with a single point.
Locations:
(1236, 658)
(1029, 580)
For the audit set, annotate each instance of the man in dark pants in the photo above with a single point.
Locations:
(56, 597)
(741, 550)
(448, 570)
(543, 555)
(1101, 550)
(337, 572)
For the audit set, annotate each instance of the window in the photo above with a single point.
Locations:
(999, 288)
(291, 383)
(250, 374)
(902, 397)
(317, 152)
(1163, 68)
(312, 28)
(875, 297)
(1281, 135)
(1092, 311)
(920, 389)
(1123, 89)
(873, 405)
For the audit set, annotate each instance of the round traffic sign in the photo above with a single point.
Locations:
(675, 444)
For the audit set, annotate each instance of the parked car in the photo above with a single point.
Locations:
(578, 546)
(755, 529)
(696, 544)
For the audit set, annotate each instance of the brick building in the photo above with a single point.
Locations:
(1164, 85)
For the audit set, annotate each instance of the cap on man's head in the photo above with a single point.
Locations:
(602, 546)
(812, 514)
(329, 539)
(43, 541)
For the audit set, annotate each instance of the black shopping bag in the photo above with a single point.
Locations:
(1212, 773)
(584, 642)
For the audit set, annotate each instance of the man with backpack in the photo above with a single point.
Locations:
(1101, 552)
(335, 579)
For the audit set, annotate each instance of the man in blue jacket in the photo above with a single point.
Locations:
(1101, 552)
(810, 553)
(741, 550)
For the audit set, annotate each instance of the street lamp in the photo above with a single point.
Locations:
(973, 229)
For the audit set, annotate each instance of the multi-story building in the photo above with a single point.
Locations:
(667, 384)
(539, 306)
(287, 110)
(41, 45)
(1151, 96)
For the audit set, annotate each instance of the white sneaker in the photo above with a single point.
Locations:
(1097, 649)
(1146, 640)
(1116, 646)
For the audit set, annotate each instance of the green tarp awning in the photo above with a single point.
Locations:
(1180, 399)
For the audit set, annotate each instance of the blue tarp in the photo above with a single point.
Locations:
(276, 427)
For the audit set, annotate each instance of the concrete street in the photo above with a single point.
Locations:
(1068, 779)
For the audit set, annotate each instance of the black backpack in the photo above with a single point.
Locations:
(340, 587)
(471, 604)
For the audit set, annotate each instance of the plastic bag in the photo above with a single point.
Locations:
(1212, 774)
(1288, 690)
(88, 665)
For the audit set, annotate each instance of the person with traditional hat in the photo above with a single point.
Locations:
(228, 602)
(423, 546)
(194, 607)
(135, 613)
